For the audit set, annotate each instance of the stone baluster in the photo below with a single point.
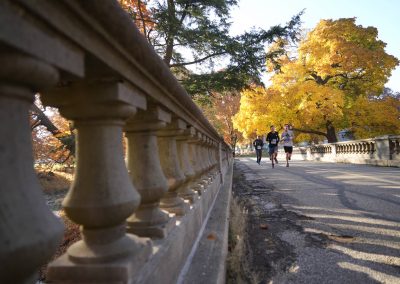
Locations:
(197, 183)
(220, 161)
(202, 162)
(30, 233)
(186, 190)
(171, 166)
(146, 173)
(102, 195)
(207, 156)
(214, 148)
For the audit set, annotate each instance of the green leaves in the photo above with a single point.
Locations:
(196, 33)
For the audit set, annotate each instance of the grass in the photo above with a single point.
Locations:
(236, 246)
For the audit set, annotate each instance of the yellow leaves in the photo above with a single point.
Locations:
(370, 118)
(341, 47)
(339, 65)
(254, 112)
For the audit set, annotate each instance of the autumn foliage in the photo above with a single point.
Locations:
(220, 111)
(333, 82)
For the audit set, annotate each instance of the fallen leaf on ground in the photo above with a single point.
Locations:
(211, 237)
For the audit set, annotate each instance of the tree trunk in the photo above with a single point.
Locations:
(171, 33)
(331, 132)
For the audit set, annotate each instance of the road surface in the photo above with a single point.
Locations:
(356, 208)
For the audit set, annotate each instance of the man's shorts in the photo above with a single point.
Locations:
(288, 149)
(272, 149)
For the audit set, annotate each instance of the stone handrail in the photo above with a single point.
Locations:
(383, 150)
(140, 218)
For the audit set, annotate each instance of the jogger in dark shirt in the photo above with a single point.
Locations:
(258, 144)
(273, 139)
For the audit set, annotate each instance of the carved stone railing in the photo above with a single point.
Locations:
(141, 215)
(383, 150)
(321, 149)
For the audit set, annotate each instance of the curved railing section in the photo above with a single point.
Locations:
(383, 150)
(140, 216)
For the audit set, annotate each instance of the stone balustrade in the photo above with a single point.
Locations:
(142, 212)
(383, 150)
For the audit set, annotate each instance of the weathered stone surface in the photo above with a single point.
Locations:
(29, 231)
(104, 72)
(145, 170)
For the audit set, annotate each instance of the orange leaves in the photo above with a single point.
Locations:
(140, 14)
(220, 113)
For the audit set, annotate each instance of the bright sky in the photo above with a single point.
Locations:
(382, 14)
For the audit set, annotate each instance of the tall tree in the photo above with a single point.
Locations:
(337, 63)
(188, 33)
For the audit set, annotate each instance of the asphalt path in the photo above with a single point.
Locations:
(356, 207)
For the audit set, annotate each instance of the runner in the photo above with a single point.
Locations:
(258, 144)
(287, 138)
(273, 139)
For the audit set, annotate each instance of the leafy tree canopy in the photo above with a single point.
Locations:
(188, 33)
(335, 81)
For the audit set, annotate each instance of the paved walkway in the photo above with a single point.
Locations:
(357, 209)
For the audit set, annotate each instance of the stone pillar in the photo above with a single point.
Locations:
(146, 173)
(382, 148)
(334, 156)
(310, 156)
(171, 167)
(102, 195)
(30, 233)
(186, 189)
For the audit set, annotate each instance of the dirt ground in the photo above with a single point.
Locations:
(55, 186)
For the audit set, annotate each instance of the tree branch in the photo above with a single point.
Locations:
(141, 16)
(198, 60)
(44, 120)
(310, 131)
(35, 124)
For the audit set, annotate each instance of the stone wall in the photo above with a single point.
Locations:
(140, 218)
